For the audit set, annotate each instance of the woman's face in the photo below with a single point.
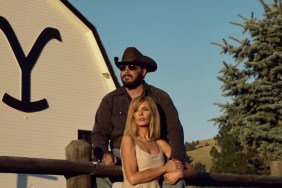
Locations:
(142, 115)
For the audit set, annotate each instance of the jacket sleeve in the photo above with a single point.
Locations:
(101, 133)
(174, 129)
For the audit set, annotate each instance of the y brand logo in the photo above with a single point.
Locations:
(26, 64)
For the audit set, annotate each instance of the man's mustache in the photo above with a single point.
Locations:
(128, 75)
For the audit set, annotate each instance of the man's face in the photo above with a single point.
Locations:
(132, 75)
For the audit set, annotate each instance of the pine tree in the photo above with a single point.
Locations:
(251, 123)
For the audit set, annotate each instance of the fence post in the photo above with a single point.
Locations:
(78, 150)
(276, 168)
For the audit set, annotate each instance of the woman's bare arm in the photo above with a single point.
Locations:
(133, 175)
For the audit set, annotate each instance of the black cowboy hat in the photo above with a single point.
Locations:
(132, 56)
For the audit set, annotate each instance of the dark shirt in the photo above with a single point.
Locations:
(111, 117)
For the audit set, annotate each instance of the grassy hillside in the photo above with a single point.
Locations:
(202, 153)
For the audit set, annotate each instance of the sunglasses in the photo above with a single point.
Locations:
(130, 67)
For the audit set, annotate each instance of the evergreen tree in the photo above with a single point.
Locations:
(251, 123)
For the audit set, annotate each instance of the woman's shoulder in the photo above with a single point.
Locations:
(164, 147)
(128, 142)
(162, 142)
(127, 138)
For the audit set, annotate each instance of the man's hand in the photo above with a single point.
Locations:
(172, 177)
(173, 165)
(109, 159)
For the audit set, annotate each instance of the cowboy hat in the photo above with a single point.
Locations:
(132, 56)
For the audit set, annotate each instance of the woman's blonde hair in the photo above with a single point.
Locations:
(154, 127)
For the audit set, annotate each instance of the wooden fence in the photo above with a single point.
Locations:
(78, 170)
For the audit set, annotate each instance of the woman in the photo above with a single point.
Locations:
(142, 150)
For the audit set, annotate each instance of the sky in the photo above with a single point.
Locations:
(178, 36)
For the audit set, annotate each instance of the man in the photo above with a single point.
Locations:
(112, 112)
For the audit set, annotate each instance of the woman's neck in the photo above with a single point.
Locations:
(144, 134)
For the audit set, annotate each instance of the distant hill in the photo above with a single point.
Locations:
(202, 153)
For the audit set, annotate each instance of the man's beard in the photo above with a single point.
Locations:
(134, 83)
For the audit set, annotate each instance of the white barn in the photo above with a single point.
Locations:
(54, 72)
